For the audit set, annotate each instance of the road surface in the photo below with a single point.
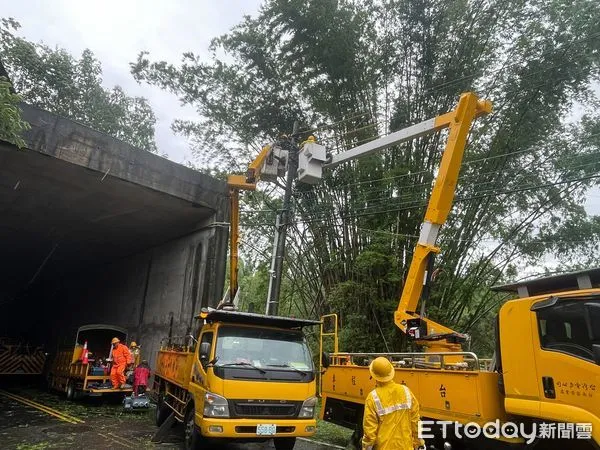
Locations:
(99, 424)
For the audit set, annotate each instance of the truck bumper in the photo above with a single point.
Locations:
(246, 428)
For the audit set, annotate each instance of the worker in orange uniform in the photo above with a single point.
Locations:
(391, 420)
(121, 356)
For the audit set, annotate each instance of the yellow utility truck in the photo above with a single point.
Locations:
(546, 370)
(77, 376)
(542, 387)
(246, 378)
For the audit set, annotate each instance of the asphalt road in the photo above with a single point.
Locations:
(105, 426)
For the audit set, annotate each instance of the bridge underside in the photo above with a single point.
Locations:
(58, 218)
(93, 230)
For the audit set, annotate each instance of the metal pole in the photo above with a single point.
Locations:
(285, 218)
(234, 202)
(273, 259)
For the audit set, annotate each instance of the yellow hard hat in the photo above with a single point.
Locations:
(381, 369)
(133, 344)
(115, 340)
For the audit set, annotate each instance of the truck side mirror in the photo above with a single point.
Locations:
(204, 351)
(325, 359)
(596, 348)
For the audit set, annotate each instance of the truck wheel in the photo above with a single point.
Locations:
(192, 435)
(162, 411)
(70, 391)
(286, 443)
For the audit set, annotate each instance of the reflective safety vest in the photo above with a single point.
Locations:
(391, 419)
(381, 411)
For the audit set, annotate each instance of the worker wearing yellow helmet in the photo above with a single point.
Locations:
(391, 419)
(135, 353)
(121, 356)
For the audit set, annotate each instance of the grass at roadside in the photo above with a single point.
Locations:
(330, 433)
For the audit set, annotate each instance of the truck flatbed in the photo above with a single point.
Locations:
(245, 318)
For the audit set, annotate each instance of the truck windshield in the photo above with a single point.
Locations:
(263, 348)
(571, 327)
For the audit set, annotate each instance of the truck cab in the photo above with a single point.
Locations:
(550, 350)
(246, 378)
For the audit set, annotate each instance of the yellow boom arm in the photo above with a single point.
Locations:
(236, 183)
(434, 336)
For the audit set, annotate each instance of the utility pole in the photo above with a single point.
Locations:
(283, 220)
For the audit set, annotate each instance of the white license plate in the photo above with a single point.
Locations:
(266, 429)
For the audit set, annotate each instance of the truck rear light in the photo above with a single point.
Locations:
(308, 408)
(215, 405)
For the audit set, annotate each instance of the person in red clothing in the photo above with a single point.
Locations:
(120, 358)
(140, 378)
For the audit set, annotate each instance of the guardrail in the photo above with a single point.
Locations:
(466, 361)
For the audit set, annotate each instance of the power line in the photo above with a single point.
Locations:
(410, 198)
(530, 75)
(457, 200)
(465, 163)
(331, 125)
(410, 237)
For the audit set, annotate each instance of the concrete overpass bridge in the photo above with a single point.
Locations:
(93, 230)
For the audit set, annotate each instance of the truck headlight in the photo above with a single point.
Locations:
(308, 408)
(215, 405)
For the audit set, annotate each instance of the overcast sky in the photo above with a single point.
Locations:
(116, 31)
